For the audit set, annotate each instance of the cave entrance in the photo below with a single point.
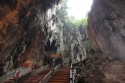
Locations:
(78, 8)
(68, 31)
(73, 35)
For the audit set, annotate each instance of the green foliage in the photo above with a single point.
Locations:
(66, 62)
(70, 21)
(82, 22)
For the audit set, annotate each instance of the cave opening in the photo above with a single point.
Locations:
(39, 28)
(69, 21)
(79, 9)
(35, 33)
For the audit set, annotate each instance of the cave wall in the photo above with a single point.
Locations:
(23, 31)
(106, 28)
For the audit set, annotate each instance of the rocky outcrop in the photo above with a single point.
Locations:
(23, 31)
(74, 43)
(100, 70)
(106, 28)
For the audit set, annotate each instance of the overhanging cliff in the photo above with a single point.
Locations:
(23, 31)
(106, 32)
(106, 28)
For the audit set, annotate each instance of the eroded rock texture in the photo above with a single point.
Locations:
(106, 28)
(23, 31)
(99, 70)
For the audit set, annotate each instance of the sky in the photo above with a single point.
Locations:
(78, 8)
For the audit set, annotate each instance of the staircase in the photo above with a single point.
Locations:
(61, 76)
(41, 75)
(38, 77)
(18, 74)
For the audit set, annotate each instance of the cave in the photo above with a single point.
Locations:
(96, 50)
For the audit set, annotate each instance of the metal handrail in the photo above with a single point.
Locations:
(57, 68)
(20, 68)
(24, 77)
(71, 76)
(74, 73)
(22, 72)
(9, 75)
(46, 78)
(6, 77)
(39, 70)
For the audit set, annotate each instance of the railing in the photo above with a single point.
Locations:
(57, 68)
(24, 71)
(7, 77)
(10, 75)
(24, 77)
(41, 69)
(73, 70)
(72, 74)
(48, 76)
(27, 73)
(20, 68)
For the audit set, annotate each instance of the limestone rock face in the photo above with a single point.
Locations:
(23, 31)
(100, 70)
(106, 28)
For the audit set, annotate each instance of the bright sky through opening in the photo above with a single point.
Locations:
(78, 8)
